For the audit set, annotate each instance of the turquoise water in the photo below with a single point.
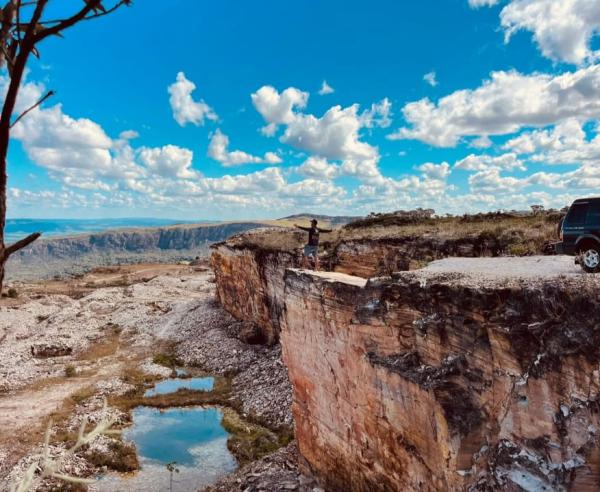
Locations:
(175, 434)
(192, 437)
(172, 385)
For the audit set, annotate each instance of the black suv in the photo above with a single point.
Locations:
(580, 234)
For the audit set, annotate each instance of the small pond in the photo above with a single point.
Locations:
(193, 437)
(172, 385)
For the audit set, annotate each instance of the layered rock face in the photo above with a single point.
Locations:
(250, 284)
(250, 277)
(131, 240)
(78, 254)
(380, 257)
(429, 381)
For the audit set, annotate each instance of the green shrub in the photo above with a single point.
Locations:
(168, 360)
(13, 293)
(70, 371)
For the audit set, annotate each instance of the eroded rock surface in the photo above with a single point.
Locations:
(250, 284)
(442, 381)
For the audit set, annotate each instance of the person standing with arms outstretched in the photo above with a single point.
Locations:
(312, 247)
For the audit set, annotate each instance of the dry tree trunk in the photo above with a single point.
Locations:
(16, 75)
(18, 40)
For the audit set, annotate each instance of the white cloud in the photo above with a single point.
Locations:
(379, 115)
(503, 105)
(483, 142)
(490, 181)
(278, 109)
(474, 162)
(169, 161)
(267, 180)
(335, 135)
(566, 143)
(313, 188)
(563, 29)
(482, 3)
(185, 109)
(435, 171)
(218, 149)
(326, 89)
(318, 167)
(431, 79)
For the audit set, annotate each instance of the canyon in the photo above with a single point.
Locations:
(77, 254)
(479, 374)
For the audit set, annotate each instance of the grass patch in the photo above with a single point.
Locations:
(249, 441)
(167, 360)
(104, 348)
(121, 457)
(70, 371)
(220, 395)
(167, 357)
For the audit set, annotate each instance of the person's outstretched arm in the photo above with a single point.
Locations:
(325, 230)
(307, 229)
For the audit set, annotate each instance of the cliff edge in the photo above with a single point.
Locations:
(439, 380)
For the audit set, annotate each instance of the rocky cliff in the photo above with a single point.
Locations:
(250, 273)
(74, 254)
(250, 284)
(431, 381)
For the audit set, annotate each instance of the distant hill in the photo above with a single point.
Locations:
(19, 228)
(79, 253)
(334, 220)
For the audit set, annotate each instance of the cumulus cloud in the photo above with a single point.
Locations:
(333, 136)
(278, 109)
(311, 188)
(325, 89)
(509, 161)
(269, 179)
(318, 167)
(563, 29)
(490, 181)
(482, 3)
(435, 171)
(185, 109)
(503, 105)
(431, 79)
(169, 161)
(378, 115)
(218, 149)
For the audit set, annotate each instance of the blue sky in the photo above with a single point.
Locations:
(215, 110)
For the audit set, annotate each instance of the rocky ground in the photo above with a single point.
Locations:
(276, 472)
(65, 345)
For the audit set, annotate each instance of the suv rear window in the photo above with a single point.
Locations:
(577, 214)
(593, 216)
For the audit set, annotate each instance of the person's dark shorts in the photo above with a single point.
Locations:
(311, 251)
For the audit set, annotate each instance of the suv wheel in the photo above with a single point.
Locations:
(590, 259)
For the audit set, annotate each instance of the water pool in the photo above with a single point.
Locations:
(192, 437)
(172, 385)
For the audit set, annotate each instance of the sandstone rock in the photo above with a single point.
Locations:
(45, 350)
(436, 383)
(250, 284)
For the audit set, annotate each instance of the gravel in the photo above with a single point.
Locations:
(209, 340)
(276, 472)
(508, 267)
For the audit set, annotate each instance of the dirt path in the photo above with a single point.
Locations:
(106, 330)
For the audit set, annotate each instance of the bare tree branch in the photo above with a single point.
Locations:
(82, 15)
(20, 31)
(13, 248)
(48, 94)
